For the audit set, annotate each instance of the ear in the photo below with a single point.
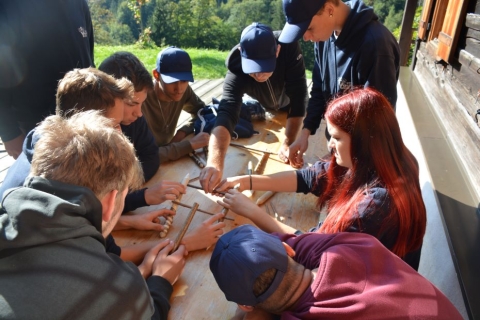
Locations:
(278, 49)
(108, 205)
(245, 308)
(290, 251)
(155, 73)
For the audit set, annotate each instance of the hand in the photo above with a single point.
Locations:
(200, 140)
(284, 152)
(205, 234)
(144, 221)
(14, 146)
(239, 203)
(296, 150)
(231, 182)
(170, 266)
(146, 266)
(163, 191)
(209, 178)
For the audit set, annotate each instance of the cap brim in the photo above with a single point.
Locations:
(177, 76)
(253, 66)
(293, 32)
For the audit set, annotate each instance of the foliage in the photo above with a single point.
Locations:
(416, 20)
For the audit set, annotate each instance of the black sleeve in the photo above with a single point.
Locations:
(295, 80)
(111, 246)
(160, 291)
(312, 179)
(317, 103)
(134, 200)
(231, 103)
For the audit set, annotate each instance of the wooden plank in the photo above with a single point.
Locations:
(474, 34)
(473, 46)
(452, 25)
(437, 19)
(196, 295)
(406, 32)
(473, 21)
(425, 19)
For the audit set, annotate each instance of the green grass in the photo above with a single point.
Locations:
(207, 64)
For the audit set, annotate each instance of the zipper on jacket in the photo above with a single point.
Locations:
(275, 103)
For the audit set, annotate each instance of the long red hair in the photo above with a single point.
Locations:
(379, 158)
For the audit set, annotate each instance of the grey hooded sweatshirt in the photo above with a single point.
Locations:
(53, 263)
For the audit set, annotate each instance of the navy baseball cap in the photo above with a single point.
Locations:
(243, 254)
(174, 64)
(299, 14)
(258, 49)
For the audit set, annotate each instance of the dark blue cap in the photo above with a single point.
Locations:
(243, 254)
(174, 64)
(259, 49)
(299, 14)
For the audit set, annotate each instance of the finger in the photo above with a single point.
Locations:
(181, 251)
(164, 212)
(223, 204)
(154, 226)
(166, 250)
(156, 249)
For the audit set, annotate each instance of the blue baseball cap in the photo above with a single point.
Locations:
(299, 14)
(174, 64)
(243, 254)
(258, 49)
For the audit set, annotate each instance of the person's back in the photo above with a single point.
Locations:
(60, 270)
(316, 276)
(53, 229)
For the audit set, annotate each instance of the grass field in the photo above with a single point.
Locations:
(207, 64)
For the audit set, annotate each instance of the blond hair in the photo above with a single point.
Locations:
(85, 150)
(90, 89)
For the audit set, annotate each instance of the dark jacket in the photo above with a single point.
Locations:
(53, 263)
(286, 88)
(42, 41)
(364, 54)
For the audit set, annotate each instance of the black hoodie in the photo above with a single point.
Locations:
(365, 54)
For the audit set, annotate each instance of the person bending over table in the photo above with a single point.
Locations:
(53, 262)
(352, 48)
(321, 276)
(272, 73)
(370, 185)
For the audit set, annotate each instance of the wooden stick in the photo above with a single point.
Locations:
(174, 206)
(249, 193)
(233, 144)
(185, 227)
(199, 161)
(264, 197)
(199, 210)
(200, 188)
(260, 167)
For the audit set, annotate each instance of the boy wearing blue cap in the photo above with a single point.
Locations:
(270, 72)
(172, 94)
(322, 276)
(352, 48)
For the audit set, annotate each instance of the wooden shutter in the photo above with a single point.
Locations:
(452, 24)
(424, 19)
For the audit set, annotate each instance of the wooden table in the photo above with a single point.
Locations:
(196, 294)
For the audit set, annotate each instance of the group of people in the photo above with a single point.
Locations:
(79, 172)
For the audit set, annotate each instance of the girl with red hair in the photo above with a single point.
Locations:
(369, 185)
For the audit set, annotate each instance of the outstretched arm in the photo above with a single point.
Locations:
(240, 204)
(280, 182)
(218, 146)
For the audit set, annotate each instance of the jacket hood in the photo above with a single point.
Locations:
(46, 211)
(360, 15)
(29, 143)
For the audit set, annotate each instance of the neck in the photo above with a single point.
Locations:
(343, 12)
(305, 283)
(159, 92)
